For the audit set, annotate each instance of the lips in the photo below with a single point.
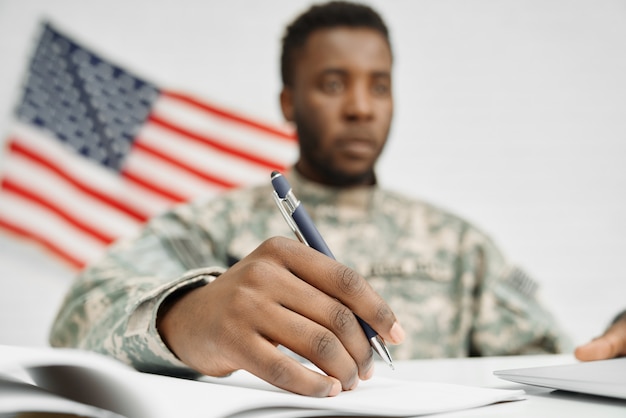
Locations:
(357, 147)
(357, 143)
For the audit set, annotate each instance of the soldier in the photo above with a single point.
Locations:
(215, 286)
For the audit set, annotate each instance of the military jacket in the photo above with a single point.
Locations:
(451, 288)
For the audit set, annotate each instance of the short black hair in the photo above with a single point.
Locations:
(322, 16)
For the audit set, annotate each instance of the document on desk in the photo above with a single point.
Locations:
(91, 385)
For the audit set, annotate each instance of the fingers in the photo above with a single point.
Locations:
(282, 293)
(282, 309)
(326, 332)
(288, 311)
(337, 281)
(270, 364)
(611, 344)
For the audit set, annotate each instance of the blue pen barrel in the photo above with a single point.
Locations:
(316, 241)
(281, 185)
(369, 331)
(308, 229)
(310, 232)
(301, 217)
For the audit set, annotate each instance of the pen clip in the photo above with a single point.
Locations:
(287, 207)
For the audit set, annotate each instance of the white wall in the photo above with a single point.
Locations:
(510, 113)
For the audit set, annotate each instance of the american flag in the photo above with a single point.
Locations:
(94, 151)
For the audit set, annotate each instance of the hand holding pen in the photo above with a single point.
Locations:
(282, 293)
(301, 224)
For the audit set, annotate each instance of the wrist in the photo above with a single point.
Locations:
(166, 323)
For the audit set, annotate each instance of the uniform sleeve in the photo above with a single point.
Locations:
(510, 316)
(112, 306)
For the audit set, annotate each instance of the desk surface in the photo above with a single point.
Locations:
(141, 395)
(540, 402)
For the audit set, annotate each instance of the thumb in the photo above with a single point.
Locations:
(611, 344)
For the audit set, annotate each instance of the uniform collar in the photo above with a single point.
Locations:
(319, 197)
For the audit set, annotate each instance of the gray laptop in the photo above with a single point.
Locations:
(603, 377)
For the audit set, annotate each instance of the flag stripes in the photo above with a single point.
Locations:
(73, 186)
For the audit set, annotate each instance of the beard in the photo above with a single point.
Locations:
(326, 167)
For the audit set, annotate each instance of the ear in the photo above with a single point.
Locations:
(286, 103)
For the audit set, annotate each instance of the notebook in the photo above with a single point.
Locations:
(41, 381)
(602, 377)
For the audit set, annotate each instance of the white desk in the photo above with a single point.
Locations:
(90, 378)
(541, 402)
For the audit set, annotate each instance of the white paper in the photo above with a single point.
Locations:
(92, 378)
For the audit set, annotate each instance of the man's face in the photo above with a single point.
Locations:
(341, 103)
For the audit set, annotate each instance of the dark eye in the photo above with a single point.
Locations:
(381, 88)
(332, 86)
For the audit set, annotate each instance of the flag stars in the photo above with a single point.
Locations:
(94, 107)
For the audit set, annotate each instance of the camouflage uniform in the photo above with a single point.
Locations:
(452, 290)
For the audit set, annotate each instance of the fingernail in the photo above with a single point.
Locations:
(335, 389)
(369, 373)
(397, 333)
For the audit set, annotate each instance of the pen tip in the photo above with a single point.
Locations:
(275, 173)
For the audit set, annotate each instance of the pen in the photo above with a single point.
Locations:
(301, 224)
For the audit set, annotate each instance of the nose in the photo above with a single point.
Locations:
(359, 103)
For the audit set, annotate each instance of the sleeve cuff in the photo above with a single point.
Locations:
(141, 325)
